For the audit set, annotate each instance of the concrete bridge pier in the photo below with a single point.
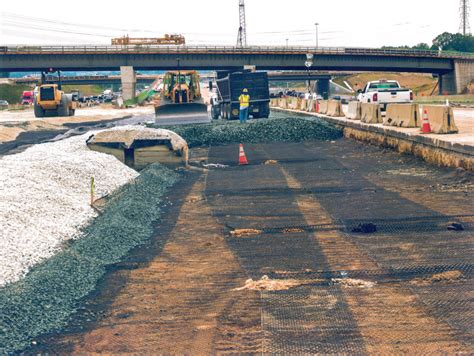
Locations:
(129, 82)
(456, 81)
(323, 88)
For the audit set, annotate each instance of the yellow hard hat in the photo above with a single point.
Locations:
(245, 91)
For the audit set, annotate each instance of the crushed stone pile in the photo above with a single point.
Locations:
(44, 300)
(45, 197)
(257, 131)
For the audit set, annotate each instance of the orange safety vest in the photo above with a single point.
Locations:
(244, 100)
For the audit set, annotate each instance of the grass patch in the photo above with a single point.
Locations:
(46, 298)
(12, 92)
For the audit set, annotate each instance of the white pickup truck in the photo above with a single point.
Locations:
(385, 92)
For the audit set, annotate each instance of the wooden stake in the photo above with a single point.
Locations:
(92, 190)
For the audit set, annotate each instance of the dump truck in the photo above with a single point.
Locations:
(229, 87)
(27, 97)
(181, 98)
(50, 100)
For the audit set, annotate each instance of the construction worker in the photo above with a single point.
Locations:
(244, 100)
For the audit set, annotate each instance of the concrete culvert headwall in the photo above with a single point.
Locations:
(139, 147)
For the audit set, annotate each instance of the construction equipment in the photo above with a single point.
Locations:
(50, 100)
(229, 88)
(167, 40)
(181, 98)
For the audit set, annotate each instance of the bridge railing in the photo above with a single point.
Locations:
(227, 50)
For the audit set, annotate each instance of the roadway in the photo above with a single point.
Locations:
(404, 289)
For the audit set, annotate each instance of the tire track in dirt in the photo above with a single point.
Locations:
(389, 316)
(182, 301)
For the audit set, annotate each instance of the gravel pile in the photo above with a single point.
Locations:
(45, 299)
(257, 131)
(45, 197)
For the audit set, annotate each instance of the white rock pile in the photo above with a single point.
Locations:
(45, 199)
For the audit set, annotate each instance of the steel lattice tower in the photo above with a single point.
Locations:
(242, 35)
(464, 10)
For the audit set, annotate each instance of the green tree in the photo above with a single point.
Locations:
(423, 46)
(454, 42)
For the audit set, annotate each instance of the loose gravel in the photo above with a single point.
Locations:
(45, 299)
(45, 200)
(257, 131)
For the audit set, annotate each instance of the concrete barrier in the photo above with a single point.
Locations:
(402, 115)
(354, 110)
(291, 103)
(283, 103)
(274, 102)
(323, 107)
(303, 105)
(335, 108)
(441, 119)
(371, 113)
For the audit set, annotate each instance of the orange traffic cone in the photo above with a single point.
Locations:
(425, 128)
(242, 157)
(317, 106)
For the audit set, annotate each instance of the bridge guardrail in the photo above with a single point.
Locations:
(228, 50)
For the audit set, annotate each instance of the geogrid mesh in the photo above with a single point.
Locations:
(411, 245)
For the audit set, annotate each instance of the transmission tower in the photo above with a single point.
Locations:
(242, 35)
(464, 10)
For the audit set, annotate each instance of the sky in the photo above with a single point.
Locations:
(342, 23)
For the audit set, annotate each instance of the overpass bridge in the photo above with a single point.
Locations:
(454, 70)
(148, 79)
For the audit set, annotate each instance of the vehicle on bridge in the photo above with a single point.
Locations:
(50, 100)
(229, 88)
(181, 97)
(27, 97)
(385, 92)
(167, 40)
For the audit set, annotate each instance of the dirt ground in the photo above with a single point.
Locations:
(13, 123)
(404, 288)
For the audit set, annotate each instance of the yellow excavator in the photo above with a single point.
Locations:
(181, 99)
(50, 100)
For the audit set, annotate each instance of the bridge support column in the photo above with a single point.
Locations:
(322, 88)
(455, 82)
(129, 82)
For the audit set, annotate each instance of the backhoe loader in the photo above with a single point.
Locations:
(181, 99)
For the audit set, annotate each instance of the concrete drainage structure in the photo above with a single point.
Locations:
(139, 147)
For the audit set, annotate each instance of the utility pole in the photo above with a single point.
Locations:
(242, 34)
(287, 42)
(317, 39)
(464, 11)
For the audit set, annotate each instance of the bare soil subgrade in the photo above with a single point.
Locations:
(405, 288)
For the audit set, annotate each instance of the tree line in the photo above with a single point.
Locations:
(444, 42)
